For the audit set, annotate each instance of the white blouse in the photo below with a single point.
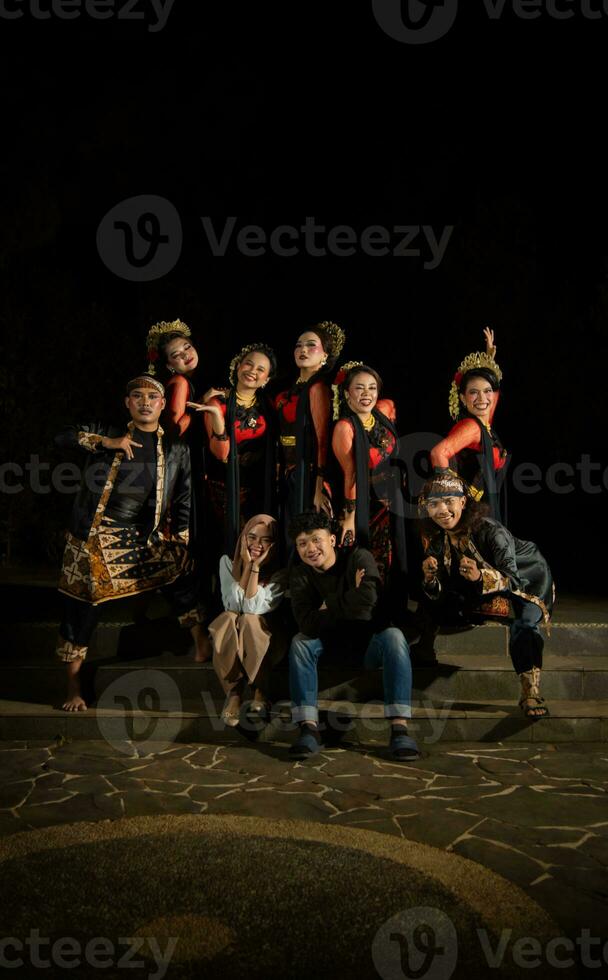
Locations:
(265, 600)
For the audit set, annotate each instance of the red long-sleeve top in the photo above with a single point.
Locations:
(465, 434)
(320, 409)
(249, 424)
(178, 391)
(381, 445)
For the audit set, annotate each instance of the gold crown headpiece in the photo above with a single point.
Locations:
(156, 334)
(479, 359)
(335, 335)
(337, 385)
(234, 363)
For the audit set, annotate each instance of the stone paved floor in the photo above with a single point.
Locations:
(537, 815)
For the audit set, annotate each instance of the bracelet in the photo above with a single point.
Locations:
(253, 568)
(222, 436)
(350, 506)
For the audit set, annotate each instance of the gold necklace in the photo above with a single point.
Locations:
(246, 401)
(369, 423)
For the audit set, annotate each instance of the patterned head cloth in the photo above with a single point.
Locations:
(442, 485)
(145, 381)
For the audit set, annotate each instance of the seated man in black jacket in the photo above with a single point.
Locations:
(130, 525)
(334, 597)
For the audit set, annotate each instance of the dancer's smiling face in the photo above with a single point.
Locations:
(362, 393)
(253, 371)
(478, 397)
(181, 356)
(446, 511)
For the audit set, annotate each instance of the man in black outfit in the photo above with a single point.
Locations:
(334, 597)
(130, 525)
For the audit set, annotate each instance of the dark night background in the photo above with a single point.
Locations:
(271, 112)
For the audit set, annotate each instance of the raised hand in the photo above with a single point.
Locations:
(490, 344)
(200, 407)
(123, 444)
(266, 554)
(214, 393)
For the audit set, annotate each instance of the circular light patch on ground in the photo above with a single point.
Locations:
(231, 896)
(200, 937)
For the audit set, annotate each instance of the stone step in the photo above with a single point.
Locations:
(192, 721)
(453, 678)
(35, 642)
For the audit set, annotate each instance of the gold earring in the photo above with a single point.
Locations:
(324, 361)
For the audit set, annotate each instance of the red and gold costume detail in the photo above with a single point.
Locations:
(381, 446)
(286, 405)
(460, 451)
(251, 430)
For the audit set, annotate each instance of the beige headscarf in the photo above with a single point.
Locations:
(267, 569)
(240, 642)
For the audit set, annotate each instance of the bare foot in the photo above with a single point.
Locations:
(203, 648)
(74, 700)
(74, 703)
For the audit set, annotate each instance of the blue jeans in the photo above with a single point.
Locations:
(388, 650)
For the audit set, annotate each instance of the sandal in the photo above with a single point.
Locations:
(231, 712)
(259, 705)
(535, 710)
(530, 701)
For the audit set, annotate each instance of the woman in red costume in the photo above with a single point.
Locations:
(169, 343)
(171, 350)
(366, 445)
(304, 412)
(241, 469)
(472, 448)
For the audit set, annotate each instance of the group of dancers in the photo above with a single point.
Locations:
(260, 513)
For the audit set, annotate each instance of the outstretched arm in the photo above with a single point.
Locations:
(464, 435)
